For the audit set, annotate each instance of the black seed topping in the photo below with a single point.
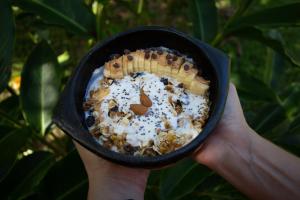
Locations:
(164, 81)
(90, 120)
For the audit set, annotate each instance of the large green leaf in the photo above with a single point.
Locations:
(182, 179)
(26, 175)
(73, 15)
(204, 18)
(66, 179)
(41, 78)
(274, 68)
(253, 33)
(11, 142)
(252, 88)
(7, 37)
(285, 15)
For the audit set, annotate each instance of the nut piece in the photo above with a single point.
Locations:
(145, 100)
(138, 109)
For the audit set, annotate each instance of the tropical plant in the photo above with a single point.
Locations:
(42, 40)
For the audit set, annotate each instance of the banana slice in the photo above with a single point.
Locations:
(153, 62)
(141, 57)
(125, 64)
(187, 73)
(116, 70)
(129, 61)
(199, 85)
(177, 62)
(147, 61)
(164, 64)
(106, 71)
(135, 55)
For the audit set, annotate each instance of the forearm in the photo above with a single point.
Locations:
(259, 169)
(112, 183)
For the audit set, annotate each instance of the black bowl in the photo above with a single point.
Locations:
(69, 115)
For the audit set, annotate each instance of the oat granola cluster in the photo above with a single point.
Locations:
(146, 112)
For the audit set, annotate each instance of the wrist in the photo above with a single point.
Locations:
(117, 182)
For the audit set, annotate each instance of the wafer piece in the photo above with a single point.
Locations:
(199, 85)
(116, 70)
(147, 60)
(187, 73)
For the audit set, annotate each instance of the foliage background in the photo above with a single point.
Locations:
(41, 41)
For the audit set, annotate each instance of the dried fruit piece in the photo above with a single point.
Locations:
(145, 100)
(138, 109)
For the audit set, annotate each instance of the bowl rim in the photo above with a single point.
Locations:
(220, 66)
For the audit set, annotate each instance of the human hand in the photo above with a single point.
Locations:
(232, 130)
(111, 181)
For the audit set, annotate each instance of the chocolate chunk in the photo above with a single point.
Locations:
(164, 81)
(147, 55)
(129, 57)
(126, 51)
(186, 67)
(90, 121)
(180, 85)
(160, 52)
(114, 109)
(115, 56)
(116, 65)
(153, 56)
(169, 56)
(137, 74)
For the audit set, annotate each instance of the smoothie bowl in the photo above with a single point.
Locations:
(146, 97)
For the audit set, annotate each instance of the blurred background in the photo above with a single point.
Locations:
(41, 42)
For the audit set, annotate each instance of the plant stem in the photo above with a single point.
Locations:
(140, 7)
(100, 7)
(11, 91)
(11, 120)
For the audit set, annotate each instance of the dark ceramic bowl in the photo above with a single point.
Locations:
(69, 115)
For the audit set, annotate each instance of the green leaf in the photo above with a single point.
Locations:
(73, 15)
(7, 37)
(291, 103)
(252, 88)
(182, 179)
(253, 33)
(41, 78)
(268, 118)
(72, 179)
(26, 175)
(274, 65)
(285, 15)
(10, 144)
(204, 18)
(243, 6)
